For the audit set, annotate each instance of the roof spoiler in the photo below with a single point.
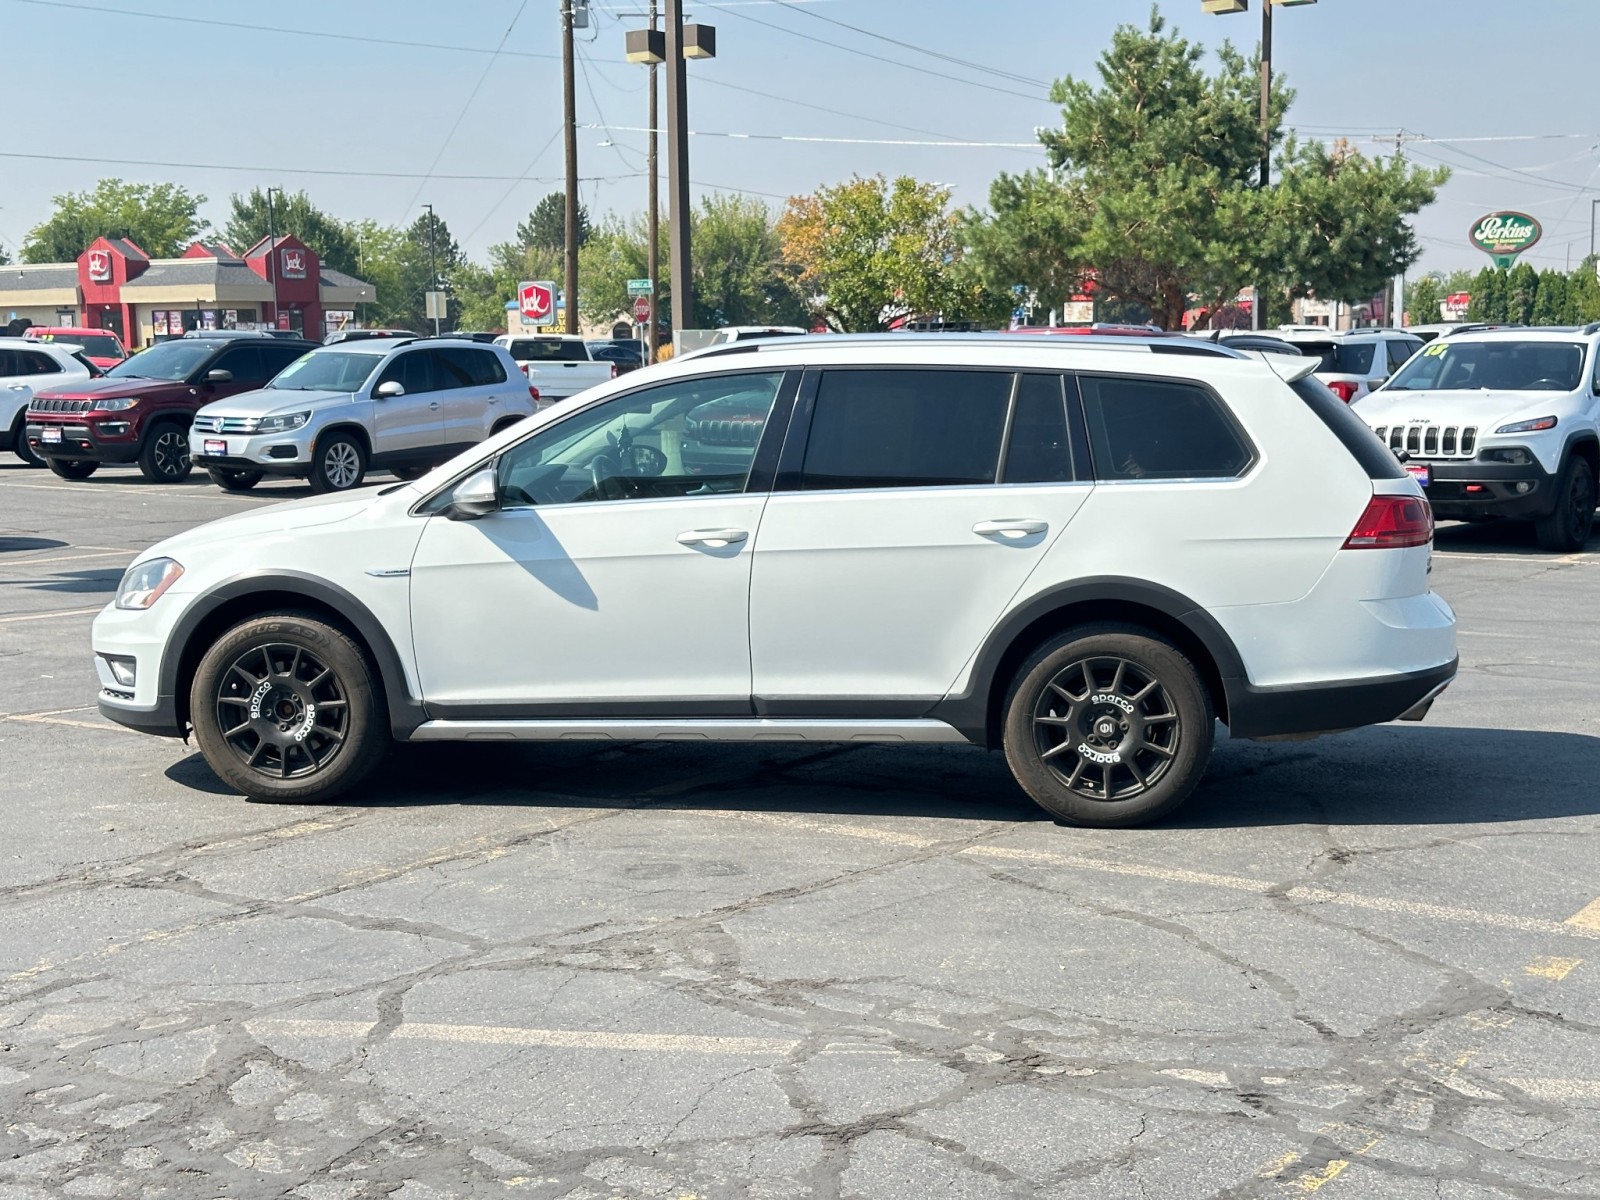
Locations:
(1290, 370)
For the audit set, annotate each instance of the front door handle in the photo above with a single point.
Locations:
(434, 406)
(1015, 528)
(19, 387)
(716, 539)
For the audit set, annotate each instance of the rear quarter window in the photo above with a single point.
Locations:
(1376, 459)
(1142, 428)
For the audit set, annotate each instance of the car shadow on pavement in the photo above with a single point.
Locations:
(1493, 537)
(22, 545)
(1388, 775)
(104, 580)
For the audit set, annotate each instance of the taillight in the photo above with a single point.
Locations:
(1392, 523)
(533, 393)
(613, 370)
(1344, 389)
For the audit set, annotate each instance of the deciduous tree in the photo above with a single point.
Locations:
(250, 221)
(162, 219)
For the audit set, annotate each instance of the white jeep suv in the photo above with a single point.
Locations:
(1501, 423)
(1080, 554)
(406, 405)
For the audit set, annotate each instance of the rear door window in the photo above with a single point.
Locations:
(1400, 353)
(906, 428)
(275, 358)
(244, 362)
(460, 367)
(1142, 428)
(1038, 449)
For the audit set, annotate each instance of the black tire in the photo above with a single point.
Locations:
(287, 708)
(71, 468)
(19, 442)
(1566, 529)
(164, 456)
(339, 463)
(230, 480)
(409, 473)
(1071, 702)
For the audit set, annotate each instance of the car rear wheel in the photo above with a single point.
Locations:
(1108, 726)
(1566, 530)
(340, 464)
(285, 707)
(409, 473)
(233, 481)
(71, 469)
(164, 457)
(19, 442)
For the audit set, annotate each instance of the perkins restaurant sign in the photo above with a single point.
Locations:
(1504, 235)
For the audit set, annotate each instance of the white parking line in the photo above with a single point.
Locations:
(39, 562)
(45, 616)
(506, 1035)
(171, 492)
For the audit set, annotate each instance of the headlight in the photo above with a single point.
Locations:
(1534, 426)
(145, 582)
(283, 422)
(115, 404)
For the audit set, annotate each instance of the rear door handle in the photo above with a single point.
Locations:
(1011, 527)
(714, 538)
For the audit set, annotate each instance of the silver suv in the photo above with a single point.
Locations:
(1357, 362)
(336, 412)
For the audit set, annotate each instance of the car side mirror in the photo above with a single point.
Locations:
(476, 496)
(392, 388)
(219, 376)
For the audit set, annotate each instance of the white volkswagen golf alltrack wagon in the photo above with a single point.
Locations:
(1083, 556)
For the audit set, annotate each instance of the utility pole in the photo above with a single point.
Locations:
(653, 252)
(1258, 310)
(678, 168)
(569, 105)
(433, 275)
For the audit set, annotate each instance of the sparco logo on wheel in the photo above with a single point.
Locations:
(257, 697)
(1108, 698)
(1105, 758)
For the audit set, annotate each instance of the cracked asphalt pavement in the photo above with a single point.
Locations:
(1364, 966)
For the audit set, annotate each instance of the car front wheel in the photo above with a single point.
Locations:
(69, 468)
(1108, 726)
(19, 442)
(230, 480)
(285, 708)
(1566, 529)
(339, 465)
(164, 457)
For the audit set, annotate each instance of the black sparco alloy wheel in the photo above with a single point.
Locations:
(164, 457)
(231, 480)
(1566, 529)
(69, 468)
(286, 707)
(338, 463)
(1108, 725)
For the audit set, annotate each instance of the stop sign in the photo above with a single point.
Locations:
(641, 309)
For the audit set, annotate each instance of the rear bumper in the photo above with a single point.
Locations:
(1324, 707)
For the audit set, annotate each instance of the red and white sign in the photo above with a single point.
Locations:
(641, 309)
(283, 320)
(1454, 306)
(100, 266)
(537, 301)
(294, 263)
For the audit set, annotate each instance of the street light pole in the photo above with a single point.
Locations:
(1593, 204)
(1258, 310)
(678, 168)
(570, 108)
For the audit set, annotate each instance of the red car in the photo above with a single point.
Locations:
(140, 410)
(100, 346)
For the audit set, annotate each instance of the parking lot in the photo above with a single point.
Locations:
(1363, 966)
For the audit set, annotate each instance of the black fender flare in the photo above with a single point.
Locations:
(1096, 598)
(405, 710)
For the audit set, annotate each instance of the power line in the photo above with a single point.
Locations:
(834, 45)
(462, 115)
(838, 141)
(516, 183)
(949, 58)
(279, 170)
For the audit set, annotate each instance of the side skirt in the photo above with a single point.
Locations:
(754, 729)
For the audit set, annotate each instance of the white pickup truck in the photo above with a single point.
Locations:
(558, 364)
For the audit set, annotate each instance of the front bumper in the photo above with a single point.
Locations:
(1464, 490)
(139, 635)
(274, 453)
(1255, 712)
(83, 441)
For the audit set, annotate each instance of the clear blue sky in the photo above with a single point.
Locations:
(99, 83)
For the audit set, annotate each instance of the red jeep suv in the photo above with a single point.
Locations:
(140, 410)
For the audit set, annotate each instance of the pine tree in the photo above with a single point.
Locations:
(1550, 307)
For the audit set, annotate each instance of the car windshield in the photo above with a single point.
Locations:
(327, 371)
(1449, 365)
(100, 345)
(171, 361)
(1341, 358)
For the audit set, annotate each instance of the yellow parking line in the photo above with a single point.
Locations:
(1555, 969)
(39, 562)
(1587, 917)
